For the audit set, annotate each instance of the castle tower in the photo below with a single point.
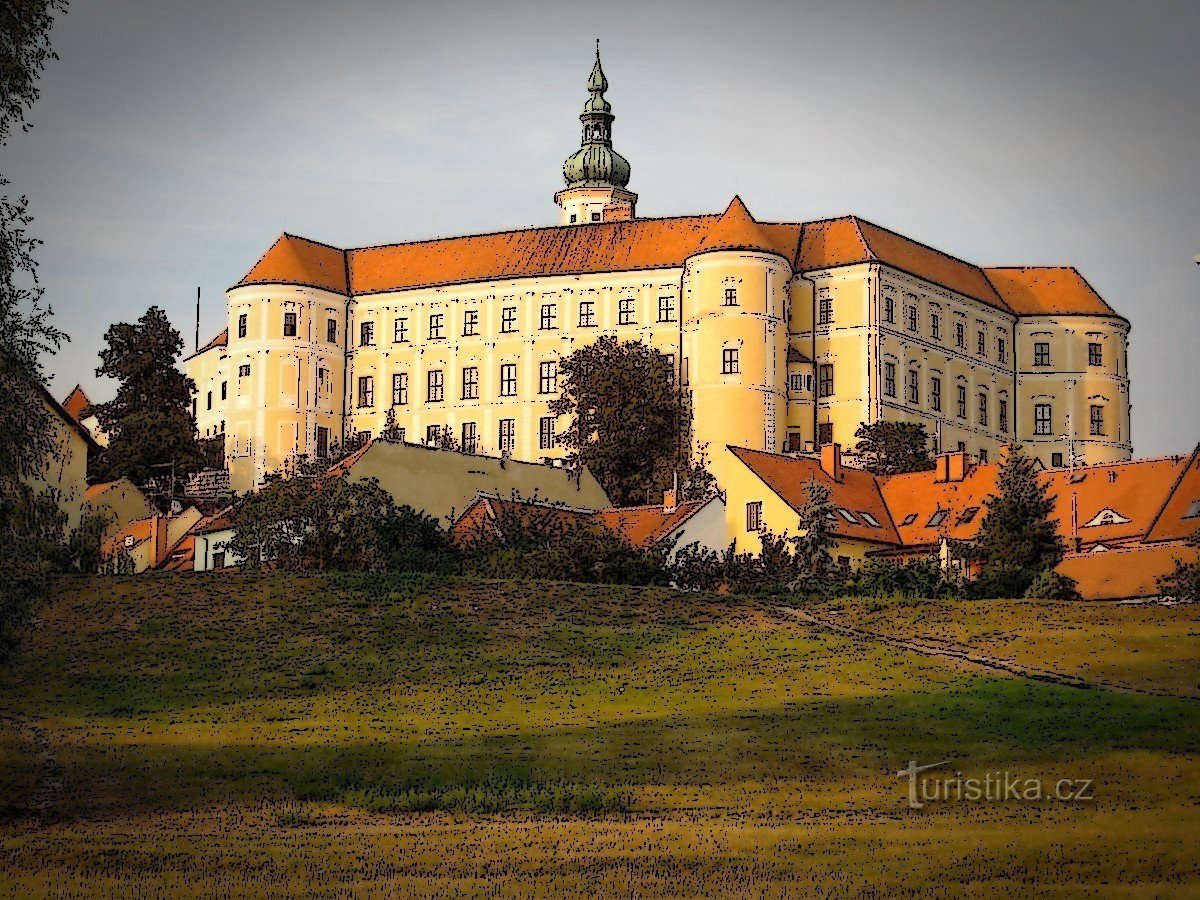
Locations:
(596, 174)
(735, 335)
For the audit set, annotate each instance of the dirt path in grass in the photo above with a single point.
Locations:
(931, 646)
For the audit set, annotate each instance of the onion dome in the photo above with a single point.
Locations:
(596, 163)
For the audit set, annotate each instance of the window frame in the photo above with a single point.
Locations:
(549, 317)
(889, 379)
(470, 382)
(399, 389)
(470, 323)
(291, 324)
(1043, 420)
(548, 376)
(730, 361)
(366, 392)
(587, 313)
(435, 383)
(400, 330)
(437, 326)
(508, 379)
(626, 310)
(666, 308)
(508, 320)
(366, 333)
(1041, 354)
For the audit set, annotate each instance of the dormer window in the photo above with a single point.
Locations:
(937, 518)
(1193, 511)
(909, 519)
(1106, 516)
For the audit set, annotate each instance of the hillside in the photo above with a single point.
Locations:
(289, 735)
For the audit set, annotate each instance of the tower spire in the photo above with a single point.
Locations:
(596, 175)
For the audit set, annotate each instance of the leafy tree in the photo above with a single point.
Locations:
(629, 424)
(1183, 584)
(889, 448)
(813, 541)
(24, 51)
(149, 422)
(1017, 540)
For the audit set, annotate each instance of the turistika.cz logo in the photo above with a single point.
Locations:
(992, 786)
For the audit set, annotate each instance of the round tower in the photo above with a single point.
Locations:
(596, 174)
(735, 289)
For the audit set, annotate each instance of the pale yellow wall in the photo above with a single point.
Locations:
(121, 504)
(1070, 385)
(582, 203)
(64, 471)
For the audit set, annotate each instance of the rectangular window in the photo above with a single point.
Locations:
(508, 320)
(331, 331)
(587, 314)
(983, 408)
(914, 387)
(912, 318)
(825, 311)
(470, 383)
(289, 324)
(508, 435)
(960, 335)
(437, 326)
(400, 331)
(754, 516)
(435, 386)
(666, 308)
(433, 435)
(1041, 354)
(980, 343)
(796, 382)
(508, 380)
(549, 316)
(731, 296)
(366, 391)
(825, 433)
(244, 370)
(470, 438)
(546, 433)
(1095, 355)
(962, 401)
(825, 380)
(1003, 415)
(889, 310)
(470, 323)
(1056, 460)
(935, 393)
(224, 390)
(625, 311)
(729, 361)
(548, 377)
(1002, 350)
(1041, 419)
(400, 389)
(889, 379)
(935, 326)
(242, 325)
(322, 442)
(1096, 420)
(210, 399)
(366, 334)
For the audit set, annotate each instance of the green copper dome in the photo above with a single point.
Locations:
(596, 163)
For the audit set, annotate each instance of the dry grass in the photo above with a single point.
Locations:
(222, 737)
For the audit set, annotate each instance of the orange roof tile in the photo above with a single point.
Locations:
(221, 340)
(1180, 515)
(1134, 490)
(858, 492)
(77, 404)
(1126, 572)
(297, 260)
(645, 526)
(926, 510)
(182, 557)
(1047, 290)
(736, 229)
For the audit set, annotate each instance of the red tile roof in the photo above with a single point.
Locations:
(858, 492)
(645, 526)
(1126, 572)
(77, 404)
(1179, 517)
(638, 244)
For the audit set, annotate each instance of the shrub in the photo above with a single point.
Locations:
(1052, 585)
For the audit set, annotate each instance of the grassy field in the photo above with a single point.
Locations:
(334, 737)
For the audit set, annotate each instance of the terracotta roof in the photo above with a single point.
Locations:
(645, 526)
(857, 493)
(182, 557)
(1047, 290)
(639, 244)
(1126, 572)
(218, 521)
(297, 260)
(77, 404)
(95, 490)
(926, 510)
(139, 530)
(1180, 516)
(221, 340)
(481, 515)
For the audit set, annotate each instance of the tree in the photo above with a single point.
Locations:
(1017, 540)
(889, 448)
(813, 541)
(629, 424)
(1183, 584)
(149, 421)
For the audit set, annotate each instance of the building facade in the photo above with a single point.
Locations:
(786, 336)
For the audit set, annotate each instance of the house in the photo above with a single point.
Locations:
(63, 472)
(147, 543)
(79, 407)
(121, 502)
(670, 523)
(443, 483)
(211, 538)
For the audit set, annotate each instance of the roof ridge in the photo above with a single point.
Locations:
(1171, 493)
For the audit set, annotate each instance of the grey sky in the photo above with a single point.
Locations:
(174, 141)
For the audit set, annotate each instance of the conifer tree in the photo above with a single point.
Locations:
(1017, 539)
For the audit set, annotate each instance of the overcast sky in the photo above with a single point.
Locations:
(174, 141)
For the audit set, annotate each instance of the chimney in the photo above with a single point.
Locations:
(158, 539)
(831, 460)
(951, 467)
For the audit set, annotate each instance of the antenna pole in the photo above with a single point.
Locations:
(197, 318)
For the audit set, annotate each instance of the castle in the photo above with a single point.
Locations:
(785, 335)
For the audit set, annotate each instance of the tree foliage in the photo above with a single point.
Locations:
(628, 422)
(335, 524)
(1183, 583)
(890, 448)
(149, 421)
(1017, 539)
